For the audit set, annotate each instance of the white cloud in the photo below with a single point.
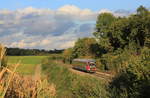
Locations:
(116, 13)
(46, 42)
(46, 28)
(69, 9)
(105, 11)
(67, 44)
(76, 13)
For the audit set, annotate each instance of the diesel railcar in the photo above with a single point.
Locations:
(87, 65)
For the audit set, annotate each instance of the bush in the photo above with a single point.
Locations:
(114, 61)
(134, 80)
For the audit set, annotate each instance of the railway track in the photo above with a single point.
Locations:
(97, 74)
(102, 75)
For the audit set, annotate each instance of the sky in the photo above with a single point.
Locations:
(55, 24)
(91, 4)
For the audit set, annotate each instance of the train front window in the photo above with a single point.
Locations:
(92, 65)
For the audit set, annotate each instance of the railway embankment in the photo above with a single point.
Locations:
(71, 85)
(98, 74)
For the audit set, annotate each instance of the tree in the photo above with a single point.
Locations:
(104, 20)
(86, 47)
(114, 33)
(142, 11)
(68, 55)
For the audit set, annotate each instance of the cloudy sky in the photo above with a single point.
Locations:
(55, 24)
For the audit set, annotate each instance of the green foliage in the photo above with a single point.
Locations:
(130, 35)
(145, 57)
(133, 81)
(82, 47)
(68, 55)
(89, 88)
(103, 22)
(142, 11)
(71, 85)
(87, 47)
(120, 32)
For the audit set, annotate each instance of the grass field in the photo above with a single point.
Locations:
(27, 63)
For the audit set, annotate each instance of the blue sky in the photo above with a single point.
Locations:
(91, 4)
(55, 24)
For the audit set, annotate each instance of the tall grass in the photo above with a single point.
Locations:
(71, 85)
(13, 85)
(2, 55)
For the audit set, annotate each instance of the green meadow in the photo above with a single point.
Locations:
(27, 63)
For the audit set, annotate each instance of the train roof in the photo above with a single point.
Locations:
(84, 60)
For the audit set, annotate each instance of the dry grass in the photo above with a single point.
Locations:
(2, 54)
(2, 51)
(13, 85)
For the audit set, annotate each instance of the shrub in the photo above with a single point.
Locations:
(134, 80)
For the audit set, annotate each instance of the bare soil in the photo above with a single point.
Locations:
(37, 73)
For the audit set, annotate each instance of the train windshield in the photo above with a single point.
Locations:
(92, 64)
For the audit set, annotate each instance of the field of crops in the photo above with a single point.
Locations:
(27, 63)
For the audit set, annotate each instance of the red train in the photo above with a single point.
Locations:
(87, 65)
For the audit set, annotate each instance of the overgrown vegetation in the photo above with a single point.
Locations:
(133, 80)
(71, 85)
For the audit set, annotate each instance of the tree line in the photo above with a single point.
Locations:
(28, 52)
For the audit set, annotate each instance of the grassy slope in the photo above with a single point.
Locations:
(70, 85)
(28, 63)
